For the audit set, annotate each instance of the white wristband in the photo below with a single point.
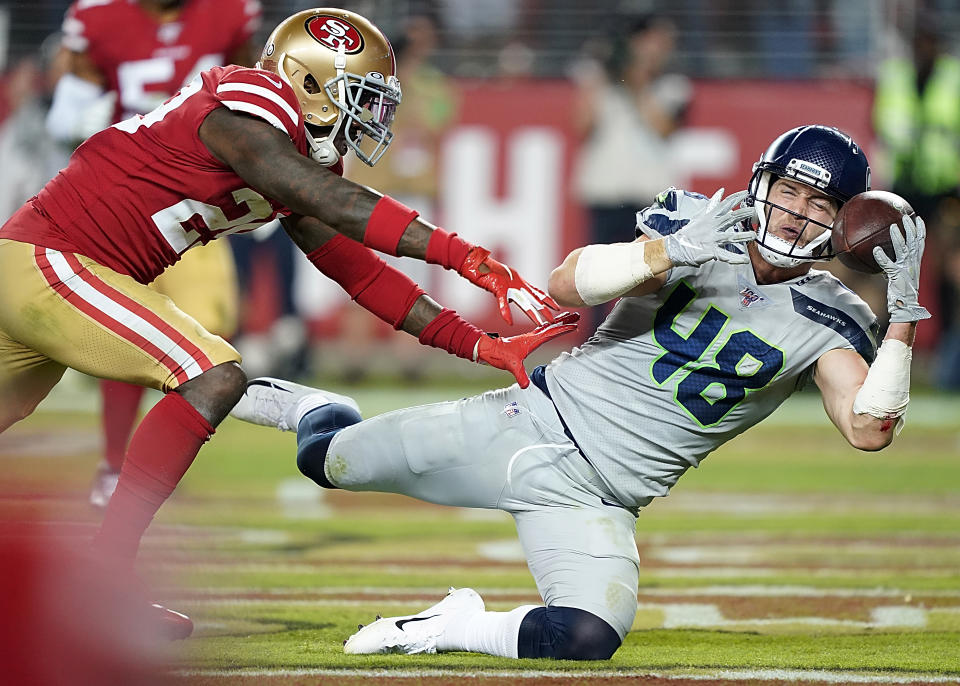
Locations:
(886, 390)
(605, 272)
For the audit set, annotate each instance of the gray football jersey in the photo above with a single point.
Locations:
(669, 377)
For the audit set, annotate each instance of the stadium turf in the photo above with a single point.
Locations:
(786, 557)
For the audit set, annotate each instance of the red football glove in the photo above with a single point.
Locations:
(509, 353)
(507, 285)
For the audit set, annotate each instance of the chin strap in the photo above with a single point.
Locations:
(324, 151)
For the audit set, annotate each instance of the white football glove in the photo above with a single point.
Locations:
(903, 272)
(703, 238)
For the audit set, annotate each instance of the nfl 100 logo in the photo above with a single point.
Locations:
(748, 296)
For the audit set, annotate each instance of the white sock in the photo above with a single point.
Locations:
(308, 404)
(493, 633)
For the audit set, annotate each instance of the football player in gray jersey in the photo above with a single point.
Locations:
(721, 317)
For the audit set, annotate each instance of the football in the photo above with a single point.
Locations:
(863, 223)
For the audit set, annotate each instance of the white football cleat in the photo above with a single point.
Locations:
(415, 633)
(104, 484)
(282, 404)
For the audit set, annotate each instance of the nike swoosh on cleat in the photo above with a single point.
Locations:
(268, 384)
(401, 622)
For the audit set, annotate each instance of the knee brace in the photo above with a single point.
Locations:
(314, 434)
(566, 633)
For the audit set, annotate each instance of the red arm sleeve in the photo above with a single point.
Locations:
(390, 294)
(378, 287)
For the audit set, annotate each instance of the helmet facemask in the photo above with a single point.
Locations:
(367, 106)
(781, 252)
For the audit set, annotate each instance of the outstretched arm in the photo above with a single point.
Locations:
(866, 403)
(394, 297)
(634, 258)
(840, 375)
(599, 273)
(263, 157)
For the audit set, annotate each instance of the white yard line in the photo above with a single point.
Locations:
(810, 675)
(675, 615)
(715, 572)
(405, 595)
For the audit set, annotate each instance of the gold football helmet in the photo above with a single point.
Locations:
(343, 71)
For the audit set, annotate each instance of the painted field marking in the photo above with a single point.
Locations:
(301, 499)
(810, 675)
(402, 568)
(675, 615)
(408, 594)
(899, 616)
(761, 551)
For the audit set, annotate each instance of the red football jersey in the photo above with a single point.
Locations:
(145, 61)
(138, 194)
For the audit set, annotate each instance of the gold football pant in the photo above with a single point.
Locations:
(62, 310)
(204, 285)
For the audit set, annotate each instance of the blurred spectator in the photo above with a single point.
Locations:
(626, 113)
(722, 38)
(28, 156)
(917, 119)
(515, 62)
(409, 172)
(785, 33)
(479, 29)
(30, 24)
(853, 38)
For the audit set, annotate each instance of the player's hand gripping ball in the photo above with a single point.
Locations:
(863, 223)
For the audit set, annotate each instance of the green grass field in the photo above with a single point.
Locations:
(787, 556)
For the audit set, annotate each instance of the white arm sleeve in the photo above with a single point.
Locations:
(886, 390)
(605, 272)
(80, 108)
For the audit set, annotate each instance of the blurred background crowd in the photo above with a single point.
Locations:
(533, 126)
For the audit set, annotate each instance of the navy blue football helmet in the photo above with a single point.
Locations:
(820, 156)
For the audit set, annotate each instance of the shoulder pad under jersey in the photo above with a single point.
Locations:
(670, 212)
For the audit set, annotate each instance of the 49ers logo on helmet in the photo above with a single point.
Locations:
(333, 32)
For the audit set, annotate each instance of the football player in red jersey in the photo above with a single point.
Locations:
(125, 58)
(234, 149)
